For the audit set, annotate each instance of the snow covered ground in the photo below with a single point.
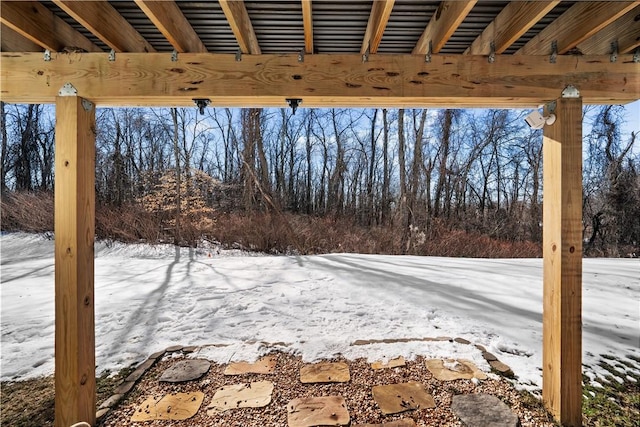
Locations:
(150, 297)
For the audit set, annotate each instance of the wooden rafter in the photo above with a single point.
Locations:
(511, 23)
(104, 21)
(38, 24)
(307, 20)
(238, 18)
(380, 12)
(16, 42)
(320, 80)
(169, 19)
(442, 25)
(581, 21)
(625, 31)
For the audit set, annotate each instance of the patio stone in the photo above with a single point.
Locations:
(396, 398)
(185, 370)
(246, 395)
(325, 372)
(178, 406)
(483, 410)
(318, 411)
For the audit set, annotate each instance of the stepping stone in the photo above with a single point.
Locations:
(318, 411)
(502, 368)
(483, 410)
(396, 398)
(247, 395)
(265, 365)
(325, 372)
(393, 363)
(178, 406)
(407, 422)
(186, 370)
(449, 370)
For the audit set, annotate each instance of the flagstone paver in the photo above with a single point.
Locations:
(502, 368)
(265, 365)
(178, 406)
(393, 363)
(450, 369)
(246, 395)
(325, 372)
(407, 422)
(396, 398)
(318, 411)
(186, 370)
(483, 410)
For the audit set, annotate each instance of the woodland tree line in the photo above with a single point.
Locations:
(412, 170)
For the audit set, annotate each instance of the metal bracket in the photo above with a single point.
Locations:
(174, 56)
(238, 55)
(294, 103)
(614, 51)
(427, 57)
(571, 92)
(202, 103)
(47, 55)
(112, 55)
(68, 90)
(636, 55)
(492, 53)
(87, 105)
(365, 56)
(551, 107)
(554, 52)
(301, 55)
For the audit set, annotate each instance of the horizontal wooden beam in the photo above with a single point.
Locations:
(321, 80)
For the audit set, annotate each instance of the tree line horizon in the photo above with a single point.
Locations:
(473, 170)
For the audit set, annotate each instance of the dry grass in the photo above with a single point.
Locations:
(276, 233)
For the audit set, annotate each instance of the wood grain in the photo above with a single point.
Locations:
(37, 23)
(169, 19)
(562, 264)
(75, 397)
(442, 25)
(578, 23)
(104, 21)
(321, 80)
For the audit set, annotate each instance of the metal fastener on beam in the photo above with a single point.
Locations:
(238, 55)
(614, 51)
(492, 53)
(112, 55)
(47, 55)
(427, 57)
(174, 56)
(301, 55)
(554, 52)
(571, 92)
(87, 105)
(365, 56)
(68, 90)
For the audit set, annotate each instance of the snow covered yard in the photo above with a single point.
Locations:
(150, 297)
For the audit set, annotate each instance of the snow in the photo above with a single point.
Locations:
(238, 306)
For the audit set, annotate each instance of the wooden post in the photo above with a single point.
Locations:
(562, 252)
(75, 379)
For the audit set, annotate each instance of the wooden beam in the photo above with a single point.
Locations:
(625, 31)
(380, 12)
(562, 253)
(12, 41)
(578, 23)
(307, 20)
(38, 24)
(169, 19)
(75, 376)
(442, 25)
(104, 21)
(238, 17)
(510, 24)
(321, 80)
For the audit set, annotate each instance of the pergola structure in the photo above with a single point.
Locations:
(356, 53)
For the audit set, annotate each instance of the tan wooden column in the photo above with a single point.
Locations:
(562, 252)
(75, 380)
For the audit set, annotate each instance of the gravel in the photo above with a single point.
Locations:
(357, 393)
